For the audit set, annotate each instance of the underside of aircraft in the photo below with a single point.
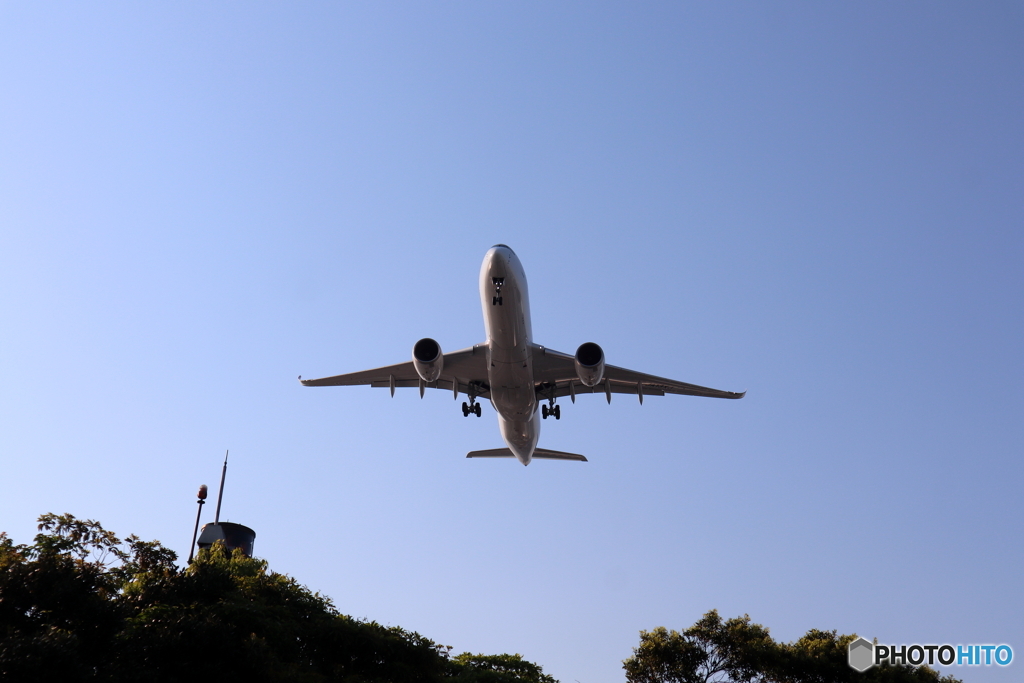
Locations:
(519, 377)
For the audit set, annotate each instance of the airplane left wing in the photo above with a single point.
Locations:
(555, 375)
(463, 371)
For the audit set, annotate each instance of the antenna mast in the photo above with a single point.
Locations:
(220, 496)
(202, 500)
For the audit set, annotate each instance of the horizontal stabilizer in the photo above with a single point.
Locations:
(540, 453)
(545, 454)
(491, 453)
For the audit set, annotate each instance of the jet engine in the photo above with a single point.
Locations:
(590, 363)
(427, 359)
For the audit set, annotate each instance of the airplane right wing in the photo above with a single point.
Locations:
(463, 371)
(555, 374)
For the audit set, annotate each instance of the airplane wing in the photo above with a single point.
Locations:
(555, 375)
(463, 371)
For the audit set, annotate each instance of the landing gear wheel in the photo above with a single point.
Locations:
(476, 410)
(465, 409)
(551, 409)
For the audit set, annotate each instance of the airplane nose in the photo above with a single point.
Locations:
(495, 262)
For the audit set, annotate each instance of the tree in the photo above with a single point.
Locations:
(81, 604)
(738, 651)
(822, 657)
(710, 651)
(57, 606)
(497, 669)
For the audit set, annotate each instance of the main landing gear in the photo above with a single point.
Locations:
(471, 407)
(553, 410)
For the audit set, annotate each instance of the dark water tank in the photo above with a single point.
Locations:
(233, 535)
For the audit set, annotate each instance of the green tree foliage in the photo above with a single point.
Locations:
(81, 604)
(710, 651)
(498, 669)
(738, 651)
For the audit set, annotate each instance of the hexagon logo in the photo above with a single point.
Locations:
(861, 654)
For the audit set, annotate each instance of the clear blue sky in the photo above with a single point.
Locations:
(820, 203)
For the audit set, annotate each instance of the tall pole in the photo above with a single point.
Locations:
(201, 501)
(220, 496)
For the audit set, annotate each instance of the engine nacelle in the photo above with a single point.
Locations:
(427, 359)
(590, 363)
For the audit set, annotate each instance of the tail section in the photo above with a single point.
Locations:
(539, 453)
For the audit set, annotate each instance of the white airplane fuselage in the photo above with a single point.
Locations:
(506, 306)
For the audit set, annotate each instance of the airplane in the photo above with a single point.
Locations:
(516, 374)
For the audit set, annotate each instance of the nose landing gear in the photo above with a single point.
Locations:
(497, 282)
